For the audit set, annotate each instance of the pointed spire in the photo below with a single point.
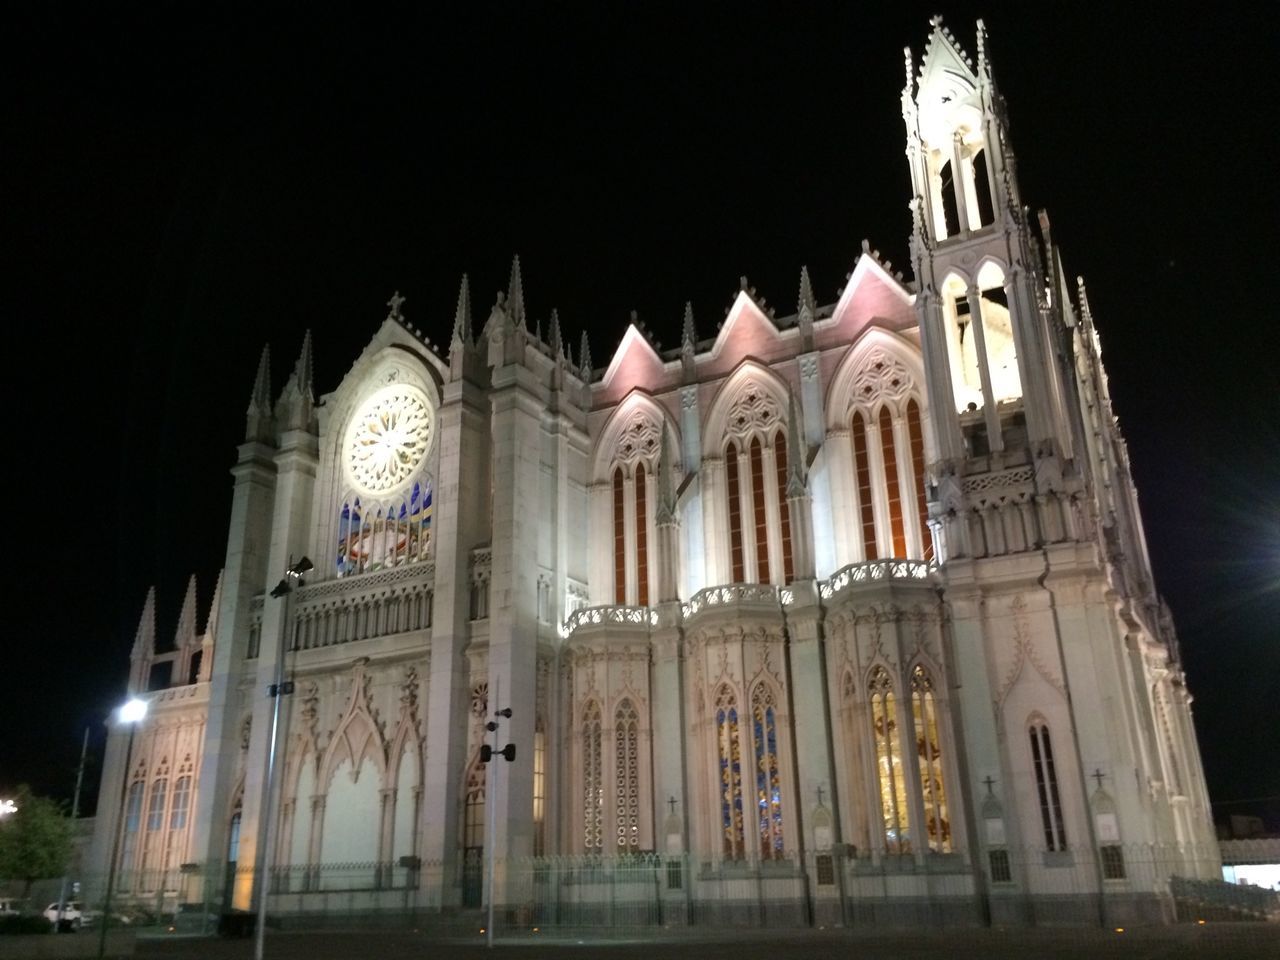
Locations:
(689, 335)
(144, 640)
(806, 293)
(515, 294)
(462, 314)
(302, 369)
(211, 622)
(537, 329)
(796, 486)
(584, 357)
(555, 339)
(983, 66)
(1085, 312)
(185, 632)
(260, 399)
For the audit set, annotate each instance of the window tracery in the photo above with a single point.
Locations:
(924, 714)
(768, 782)
(632, 475)
(730, 757)
(890, 776)
(627, 788)
(592, 780)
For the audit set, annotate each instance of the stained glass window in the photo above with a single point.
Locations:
(372, 536)
(889, 773)
(539, 789)
(888, 447)
(730, 753)
(592, 780)
(862, 467)
(924, 711)
(619, 539)
(784, 509)
(735, 514)
(768, 783)
(473, 808)
(627, 760)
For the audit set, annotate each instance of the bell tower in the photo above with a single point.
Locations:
(982, 324)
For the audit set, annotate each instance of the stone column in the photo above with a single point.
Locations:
(990, 414)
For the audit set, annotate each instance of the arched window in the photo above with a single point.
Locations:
(886, 440)
(473, 809)
(155, 807)
(729, 750)
(181, 803)
(642, 539)
(132, 821)
(755, 458)
(1055, 835)
(373, 535)
(633, 474)
(890, 776)
(619, 538)
(768, 783)
(592, 780)
(736, 558)
(862, 468)
(627, 759)
(924, 715)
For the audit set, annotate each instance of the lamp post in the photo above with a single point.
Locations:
(130, 714)
(283, 589)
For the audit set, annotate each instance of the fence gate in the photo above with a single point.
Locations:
(472, 877)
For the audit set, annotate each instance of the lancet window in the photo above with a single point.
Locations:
(924, 715)
(757, 512)
(890, 774)
(980, 340)
(592, 780)
(729, 750)
(634, 489)
(539, 788)
(132, 821)
(627, 772)
(764, 732)
(473, 809)
(1055, 835)
(887, 443)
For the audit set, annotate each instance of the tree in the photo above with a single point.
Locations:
(35, 840)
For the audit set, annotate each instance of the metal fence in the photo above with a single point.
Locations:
(1000, 887)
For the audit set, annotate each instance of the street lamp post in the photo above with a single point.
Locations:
(280, 688)
(130, 714)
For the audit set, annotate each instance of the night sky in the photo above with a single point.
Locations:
(177, 193)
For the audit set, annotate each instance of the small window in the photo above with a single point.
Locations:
(1112, 862)
(675, 875)
(1000, 872)
(826, 870)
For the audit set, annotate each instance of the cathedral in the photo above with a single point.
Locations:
(844, 616)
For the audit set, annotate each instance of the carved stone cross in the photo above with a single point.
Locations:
(671, 801)
(989, 784)
(1099, 776)
(819, 794)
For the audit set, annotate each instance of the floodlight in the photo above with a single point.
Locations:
(133, 711)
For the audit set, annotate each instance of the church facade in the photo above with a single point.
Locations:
(847, 612)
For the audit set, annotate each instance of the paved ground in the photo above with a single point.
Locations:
(1230, 941)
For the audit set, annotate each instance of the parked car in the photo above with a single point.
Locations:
(73, 911)
(9, 908)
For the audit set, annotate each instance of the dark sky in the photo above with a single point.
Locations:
(177, 192)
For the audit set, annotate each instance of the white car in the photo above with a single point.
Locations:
(9, 908)
(72, 910)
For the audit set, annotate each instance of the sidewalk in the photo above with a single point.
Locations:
(1237, 941)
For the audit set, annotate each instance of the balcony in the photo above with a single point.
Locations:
(875, 571)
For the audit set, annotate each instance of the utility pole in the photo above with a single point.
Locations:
(75, 812)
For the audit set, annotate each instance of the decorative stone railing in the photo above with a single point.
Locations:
(873, 571)
(391, 601)
(736, 593)
(997, 480)
(627, 616)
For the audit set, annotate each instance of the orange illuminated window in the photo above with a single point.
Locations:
(917, 465)
(891, 484)
(757, 507)
(619, 541)
(780, 456)
(642, 538)
(735, 514)
(863, 468)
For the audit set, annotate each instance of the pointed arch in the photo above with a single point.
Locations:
(768, 779)
(633, 431)
(928, 727)
(889, 762)
(729, 765)
(591, 734)
(842, 393)
(626, 733)
(749, 375)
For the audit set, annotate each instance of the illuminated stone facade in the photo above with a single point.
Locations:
(847, 611)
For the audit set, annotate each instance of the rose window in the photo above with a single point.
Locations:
(389, 438)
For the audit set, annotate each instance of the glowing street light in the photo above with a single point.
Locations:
(7, 807)
(131, 714)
